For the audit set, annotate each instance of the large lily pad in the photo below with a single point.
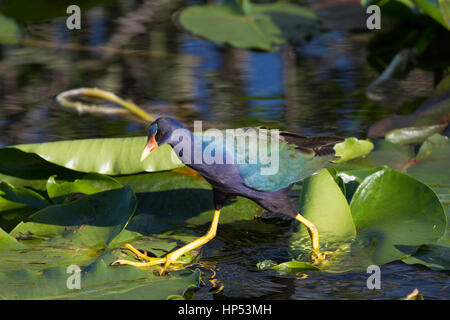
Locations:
(174, 199)
(388, 207)
(323, 203)
(254, 26)
(92, 221)
(36, 254)
(97, 281)
(113, 156)
(429, 165)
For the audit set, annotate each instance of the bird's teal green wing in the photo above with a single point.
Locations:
(287, 160)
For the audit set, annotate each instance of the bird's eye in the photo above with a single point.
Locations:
(162, 134)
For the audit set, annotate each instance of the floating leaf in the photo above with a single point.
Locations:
(323, 203)
(97, 281)
(9, 243)
(113, 156)
(352, 148)
(22, 195)
(431, 164)
(92, 221)
(252, 26)
(434, 256)
(20, 166)
(168, 197)
(9, 31)
(294, 266)
(89, 184)
(353, 178)
(413, 135)
(385, 154)
(388, 207)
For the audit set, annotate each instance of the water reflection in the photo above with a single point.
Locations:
(315, 87)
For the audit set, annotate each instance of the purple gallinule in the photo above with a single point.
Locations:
(297, 158)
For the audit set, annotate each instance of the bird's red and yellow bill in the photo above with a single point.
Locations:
(149, 147)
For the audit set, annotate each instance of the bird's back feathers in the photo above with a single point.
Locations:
(298, 158)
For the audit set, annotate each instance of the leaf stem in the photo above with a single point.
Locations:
(131, 107)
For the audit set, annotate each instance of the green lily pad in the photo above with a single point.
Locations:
(353, 178)
(250, 26)
(431, 163)
(352, 148)
(167, 199)
(323, 203)
(11, 214)
(9, 31)
(29, 169)
(9, 243)
(22, 195)
(112, 156)
(435, 257)
(36, 184)
(388, 207)
(294, 266)
(413, 135)
(92, 221)
(89, 184)
(97, 281)
(385, 154)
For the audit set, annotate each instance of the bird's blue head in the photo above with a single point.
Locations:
(159, 133)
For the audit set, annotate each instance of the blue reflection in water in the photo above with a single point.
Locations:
(97, 29)
(210, 61)
(265, 80)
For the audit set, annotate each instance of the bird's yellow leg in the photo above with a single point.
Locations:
(173, 256)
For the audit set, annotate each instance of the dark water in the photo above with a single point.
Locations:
(133, 49)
